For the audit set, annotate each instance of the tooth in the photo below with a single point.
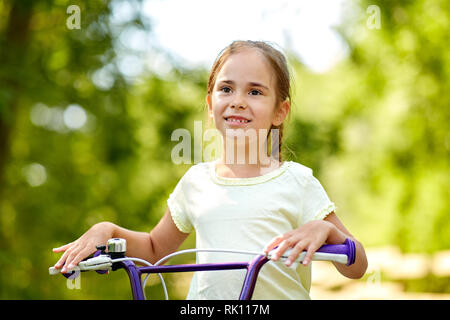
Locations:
(237, 120)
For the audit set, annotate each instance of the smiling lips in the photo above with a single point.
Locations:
(236, 120)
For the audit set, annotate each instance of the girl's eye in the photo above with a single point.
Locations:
(225, 89)
(255, 92)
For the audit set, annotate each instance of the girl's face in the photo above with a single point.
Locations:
(245, 90)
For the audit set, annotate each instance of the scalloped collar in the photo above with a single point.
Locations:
(246, 181)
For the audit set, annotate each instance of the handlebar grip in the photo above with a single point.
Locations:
(348, 248)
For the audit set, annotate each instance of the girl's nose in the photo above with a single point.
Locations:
(240, 105)
(239, 101)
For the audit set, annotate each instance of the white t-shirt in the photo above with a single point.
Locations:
(245, 214)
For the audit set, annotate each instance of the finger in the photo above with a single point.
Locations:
(77, 256)
(284, 245)
(63, 259)
(273, 243)
(69, 261)
(298, 248)
(62, 248)
(80, 256)
(68, 248)
(309, 254)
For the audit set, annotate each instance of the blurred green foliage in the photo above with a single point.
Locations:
(374, 129)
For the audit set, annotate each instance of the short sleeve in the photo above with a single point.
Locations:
(316, 203)
(177, 206)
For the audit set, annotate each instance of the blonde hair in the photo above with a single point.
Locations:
(277, 61)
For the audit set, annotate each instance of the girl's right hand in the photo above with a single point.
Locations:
(81, 248)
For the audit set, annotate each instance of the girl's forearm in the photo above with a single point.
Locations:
(138, 243)
(164, 238)
(356, 270)
(336, 235)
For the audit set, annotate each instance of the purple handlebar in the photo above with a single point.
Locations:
(253, 267)
(348, 248)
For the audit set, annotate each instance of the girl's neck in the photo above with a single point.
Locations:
(245, 170)
(245, 160)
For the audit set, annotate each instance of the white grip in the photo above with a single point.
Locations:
(52, 271)
(321, 256)
(102, 262)
(317, 256)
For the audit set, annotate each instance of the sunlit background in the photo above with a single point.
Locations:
(87, 113)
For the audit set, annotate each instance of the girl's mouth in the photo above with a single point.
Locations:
(236, 122)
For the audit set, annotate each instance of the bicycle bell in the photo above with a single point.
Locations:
(117, 247)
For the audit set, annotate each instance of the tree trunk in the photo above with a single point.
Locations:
(13, 45)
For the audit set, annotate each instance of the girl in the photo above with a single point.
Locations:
(251, 205)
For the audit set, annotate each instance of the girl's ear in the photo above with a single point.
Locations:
(281, 113)
(209, 104)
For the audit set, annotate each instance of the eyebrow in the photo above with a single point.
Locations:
(252, 84)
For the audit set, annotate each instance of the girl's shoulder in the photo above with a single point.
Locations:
(300, 168)
(197, 171)
(300, 172)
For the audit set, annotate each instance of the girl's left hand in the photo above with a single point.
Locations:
(310, 237)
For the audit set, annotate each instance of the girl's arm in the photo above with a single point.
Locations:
(165, 238)
(340, 233)
(311, 236)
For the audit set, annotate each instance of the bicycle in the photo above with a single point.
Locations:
(102, 262)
